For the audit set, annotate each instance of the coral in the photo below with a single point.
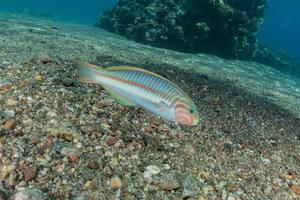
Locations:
(222, 27)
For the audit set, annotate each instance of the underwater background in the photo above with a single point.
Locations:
(234, 85)
(280, 28)
(278, 32)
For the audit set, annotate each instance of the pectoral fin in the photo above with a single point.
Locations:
(119, 98)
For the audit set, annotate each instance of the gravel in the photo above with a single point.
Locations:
(68, 140)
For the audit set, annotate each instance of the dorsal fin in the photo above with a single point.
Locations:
(129, 68)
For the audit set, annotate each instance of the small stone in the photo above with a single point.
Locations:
(6, 170)
(51, 114)
(9, 114)
(73, 158)
(201, 197)
(11, 102)
(231, 188)
(111, 141)
(9, 125)
(39, 78)
(116, 182)
(169, 182)
(108, 154)
(150, 171)
(230, 198)
(29, 194)
(30, 173)
(93, 164)
(12, 179)
(295, 189)
(287, 176)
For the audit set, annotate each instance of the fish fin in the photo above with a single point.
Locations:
(119, 98)
(87, 72)
(126, 68)
(129, 68)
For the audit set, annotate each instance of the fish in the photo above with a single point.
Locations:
(133, 86)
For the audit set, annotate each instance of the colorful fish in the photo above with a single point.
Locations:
(133, 86)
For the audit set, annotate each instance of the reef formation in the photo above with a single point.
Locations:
(226, 28)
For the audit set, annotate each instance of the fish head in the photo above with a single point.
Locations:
(186, 113)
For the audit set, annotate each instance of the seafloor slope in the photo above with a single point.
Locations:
(62, 139)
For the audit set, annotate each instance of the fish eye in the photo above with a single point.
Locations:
(191, 110)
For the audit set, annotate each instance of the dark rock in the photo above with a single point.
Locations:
(93, 164)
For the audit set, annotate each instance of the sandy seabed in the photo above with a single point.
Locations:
(61, 139)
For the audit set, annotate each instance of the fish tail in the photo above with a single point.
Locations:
(88, 72)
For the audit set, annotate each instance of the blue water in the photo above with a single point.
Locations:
(281, 27)
(78, 11)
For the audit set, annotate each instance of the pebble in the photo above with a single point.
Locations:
(111, 141)
(93, 164)
(231, 187)
(169, 182)
(9, 114)
(230, 198)
(73, 158)
(39, 78)
(51, 114)
(201, 197)
(6, 170)
(12, 179)
(11, 102)
(150, 171)
(30, 173)
(108, 154)
(29, 194)
(116, 182)
(9, 125)
(295, 189)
